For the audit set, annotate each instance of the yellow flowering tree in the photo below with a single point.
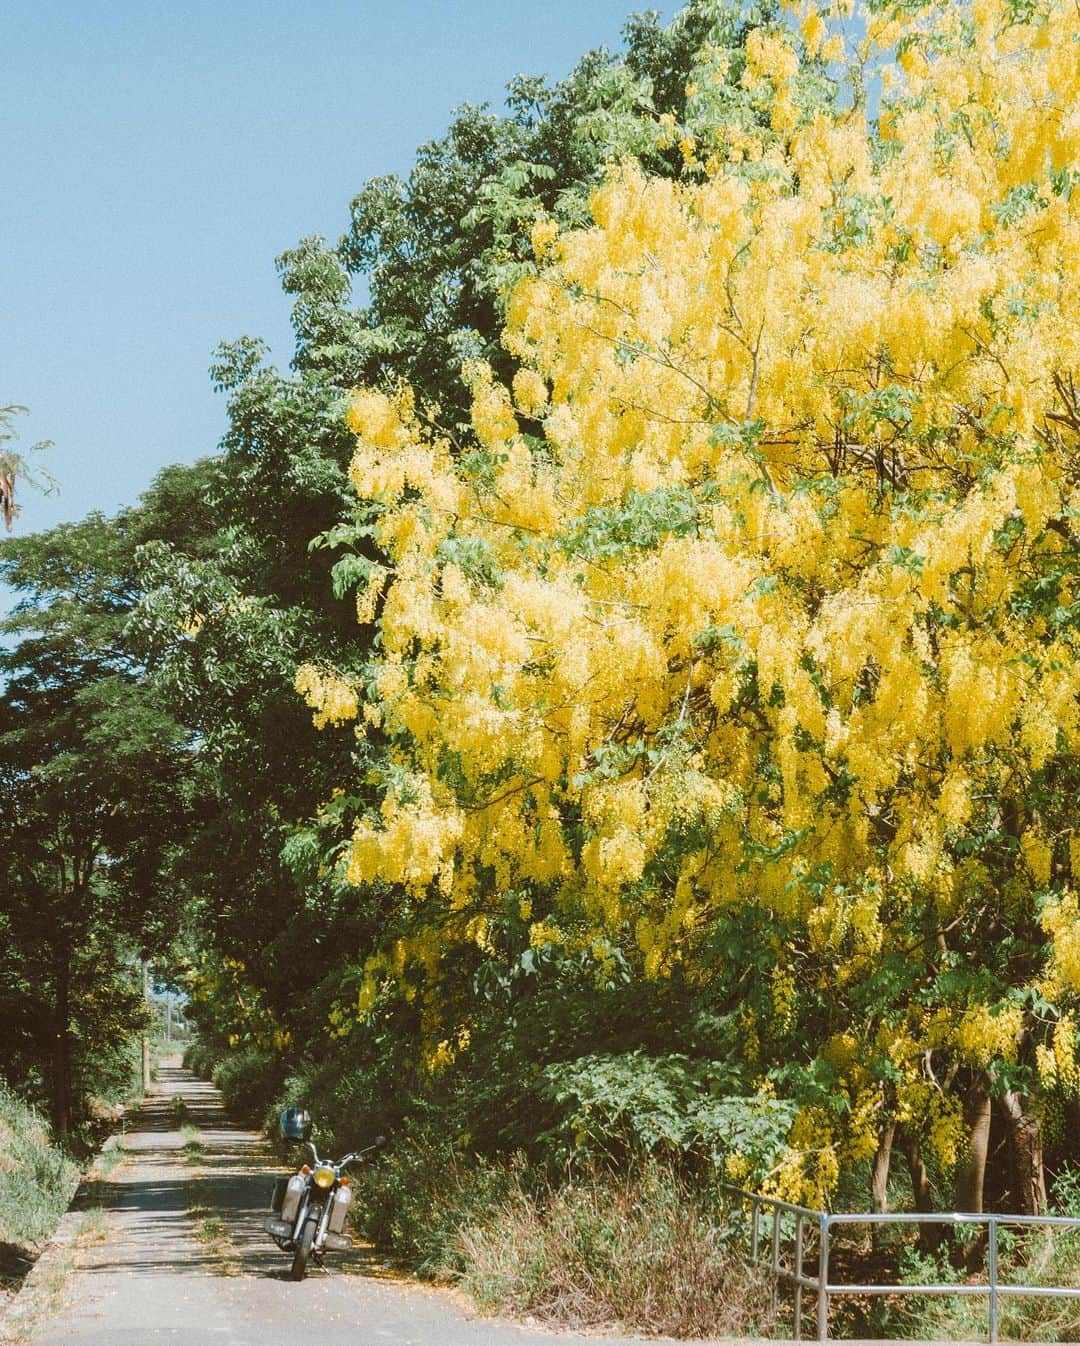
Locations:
(774, 628)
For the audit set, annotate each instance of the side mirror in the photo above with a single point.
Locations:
(380, 1141)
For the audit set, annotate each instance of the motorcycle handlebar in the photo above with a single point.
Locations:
(379, 1142)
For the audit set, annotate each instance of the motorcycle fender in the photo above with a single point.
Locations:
(320, 1233)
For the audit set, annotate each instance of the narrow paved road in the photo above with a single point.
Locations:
(151, 1281)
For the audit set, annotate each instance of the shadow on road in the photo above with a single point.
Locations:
(192, 1209)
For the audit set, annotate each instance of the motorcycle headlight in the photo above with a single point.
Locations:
(323, 1177)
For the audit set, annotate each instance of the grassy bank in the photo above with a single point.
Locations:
(37, 1180)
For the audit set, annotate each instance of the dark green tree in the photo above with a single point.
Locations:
(93, 773)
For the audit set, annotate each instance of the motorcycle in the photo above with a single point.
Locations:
(310, 1208)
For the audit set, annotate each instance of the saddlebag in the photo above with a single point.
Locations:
(342, 1202)
(294, 1191)
(278, 1196)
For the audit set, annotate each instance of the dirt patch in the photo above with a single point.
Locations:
(15, 1264)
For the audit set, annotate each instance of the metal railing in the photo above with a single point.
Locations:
(767, 1223)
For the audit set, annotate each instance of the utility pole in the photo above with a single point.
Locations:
(146, 1030)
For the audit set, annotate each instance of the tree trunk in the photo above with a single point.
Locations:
(879, 1176)
(971, 1175)
(61, 1053)
(929, 1234)
(920, 1181)
(1028, 1177)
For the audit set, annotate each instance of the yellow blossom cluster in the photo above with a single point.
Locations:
(777, 612)
(331, 698)
(1057, 1060)
(983, 1036)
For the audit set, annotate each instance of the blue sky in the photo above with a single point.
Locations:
(156, 157)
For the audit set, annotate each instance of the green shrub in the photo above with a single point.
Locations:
(249, 1081)
(200, 1058)
(619, 1105)
(342, 1100)
(37, 1178)
(415, 1201)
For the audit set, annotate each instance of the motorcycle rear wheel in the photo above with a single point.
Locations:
(303, 1250)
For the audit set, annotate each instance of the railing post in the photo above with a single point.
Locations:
(775, 1257)
(823, 1280)
(826, 1284)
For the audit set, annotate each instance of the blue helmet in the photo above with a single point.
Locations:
(295, 1124)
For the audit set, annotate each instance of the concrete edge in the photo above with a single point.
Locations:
(42, 1285)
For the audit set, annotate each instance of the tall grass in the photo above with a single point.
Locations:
(37, 1178)
(643, 1251)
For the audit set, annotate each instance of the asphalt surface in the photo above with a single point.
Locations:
(150, 1281)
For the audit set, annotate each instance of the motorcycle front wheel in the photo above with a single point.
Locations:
(303, 1250)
